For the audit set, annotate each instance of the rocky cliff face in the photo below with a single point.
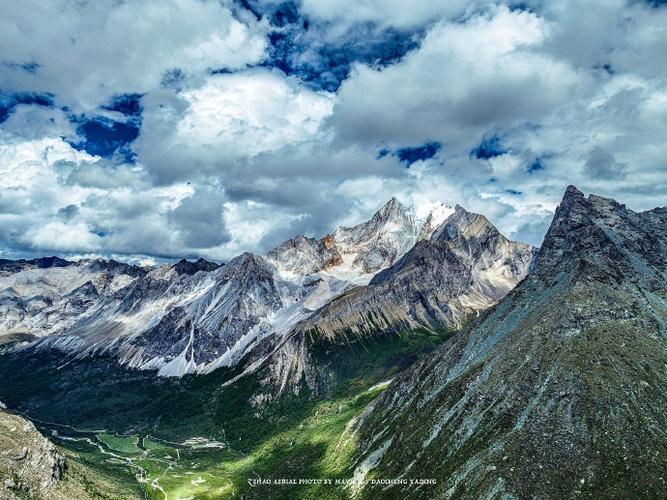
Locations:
(559, 390)
(234, 301)
(465, 267)
(356, 253)
(184, 266)
(30, 466)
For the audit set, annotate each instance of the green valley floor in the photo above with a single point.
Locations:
(129, 434)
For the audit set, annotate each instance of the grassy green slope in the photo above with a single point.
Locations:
(566, 399)
(139, 424)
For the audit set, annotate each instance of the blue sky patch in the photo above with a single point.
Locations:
(298, 49)
(490, 147)
(412, 154)
(285, 14)
(9, 101)
(607, 68)
(251, 6)
(330, 64)
(535, 166)
(107, 138)
(383, 152)
(102, 136)
(126, 104)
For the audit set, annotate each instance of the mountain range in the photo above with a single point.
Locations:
(392, 272)
(557, 391)
(406, 357)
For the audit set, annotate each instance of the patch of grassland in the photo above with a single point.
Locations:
(295, 437)
(91, 475)
(122, 444)
(314, 445)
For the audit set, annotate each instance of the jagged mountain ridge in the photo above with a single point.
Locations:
(557, 391)
(159, 321)
(437, 283)
(196, 317)
(464, 268)
(13, 266)
(44, 296)
(356, 253)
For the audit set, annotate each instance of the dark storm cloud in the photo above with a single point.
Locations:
(199, 219)
(68, 212)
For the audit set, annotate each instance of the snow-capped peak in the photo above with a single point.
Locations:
(356, 253)
(437, 211)
(197, 316)
(430, 216)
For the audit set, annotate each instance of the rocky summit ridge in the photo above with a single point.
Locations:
(559, 390)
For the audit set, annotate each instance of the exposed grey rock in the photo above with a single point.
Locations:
(243, 293)
(196, 317)
(186, 267)
(46, 296)
(30, 466)
(560, 390)
(303, 255)
(13, 266)
(464, 268)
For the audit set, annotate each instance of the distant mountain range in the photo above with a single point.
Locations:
(393, 272)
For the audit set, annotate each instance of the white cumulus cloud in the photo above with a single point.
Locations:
(88, 51)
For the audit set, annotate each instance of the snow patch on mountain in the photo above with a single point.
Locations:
(197, 317)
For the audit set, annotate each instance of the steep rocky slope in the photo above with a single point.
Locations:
(30, 466)
(46, 296)
(464, 268)
(195, 318)
(558, 391)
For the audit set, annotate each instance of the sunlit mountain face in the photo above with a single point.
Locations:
(247, 243)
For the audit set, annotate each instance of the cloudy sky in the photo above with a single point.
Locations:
(184, 128)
